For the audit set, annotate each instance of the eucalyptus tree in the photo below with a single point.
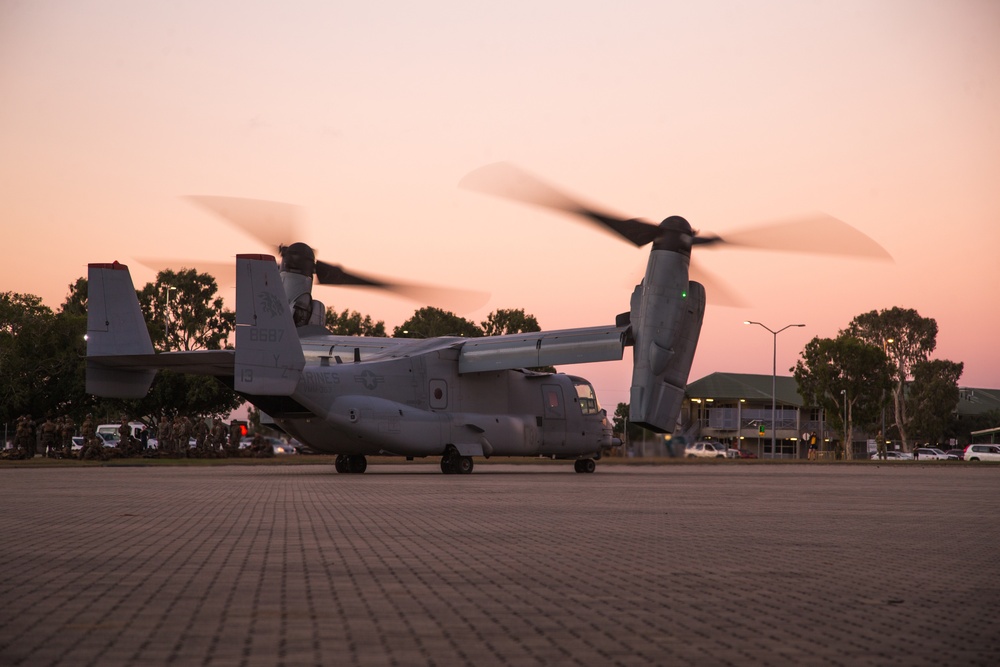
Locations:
(430, 322)
(847, 377)
(907, 339)
(353, 323)
(933, 398)
(183, 311)
(509, 321)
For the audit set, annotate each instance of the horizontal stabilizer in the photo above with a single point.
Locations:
(217, 363)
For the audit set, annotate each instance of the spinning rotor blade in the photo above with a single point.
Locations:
(270, 222)
(716, 290)
(820, 234)
(442, 297)
(277, 224)
(505, 180)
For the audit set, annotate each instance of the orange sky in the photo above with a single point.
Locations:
(884, 114)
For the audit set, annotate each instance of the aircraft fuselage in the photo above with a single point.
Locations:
(420, 405)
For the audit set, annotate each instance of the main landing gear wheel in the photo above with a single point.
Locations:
(454, 464)
(354, 463)
(584, 465)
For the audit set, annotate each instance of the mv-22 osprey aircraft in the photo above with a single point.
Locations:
(448, 397)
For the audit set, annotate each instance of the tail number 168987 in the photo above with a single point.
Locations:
(266, 335)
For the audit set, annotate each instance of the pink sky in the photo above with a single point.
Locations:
(884, 114)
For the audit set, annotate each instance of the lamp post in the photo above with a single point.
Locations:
(774, 379)
(885, 348)
(166, 317)
(843, 392)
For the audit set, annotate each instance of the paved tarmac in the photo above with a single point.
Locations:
(727, 564)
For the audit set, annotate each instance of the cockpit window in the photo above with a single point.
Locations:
(587, 398)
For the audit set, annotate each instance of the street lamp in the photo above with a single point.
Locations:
(166, 316)
(774, 379)
(843, 392)
(885, 348)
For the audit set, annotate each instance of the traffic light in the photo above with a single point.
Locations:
(761, 429)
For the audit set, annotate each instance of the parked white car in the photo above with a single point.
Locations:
(929, 454)
(893, 455)
(713, 450)
(982, 453)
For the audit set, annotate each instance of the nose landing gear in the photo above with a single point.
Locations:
(454, 463)
(584, 465)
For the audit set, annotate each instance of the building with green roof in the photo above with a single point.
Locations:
(734, 407)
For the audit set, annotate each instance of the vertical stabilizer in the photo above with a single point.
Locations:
(114, 328)
(269, 357)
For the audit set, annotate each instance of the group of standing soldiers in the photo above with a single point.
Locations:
(54, 437)
(183, 438)
(179, 437)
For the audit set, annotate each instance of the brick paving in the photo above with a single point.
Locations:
(725, 564)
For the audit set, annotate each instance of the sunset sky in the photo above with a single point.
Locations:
(883, 113)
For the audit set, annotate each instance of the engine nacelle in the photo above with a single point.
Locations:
(298, 265)
(666, 315)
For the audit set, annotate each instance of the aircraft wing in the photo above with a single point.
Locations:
(219, 363)
(542, 348)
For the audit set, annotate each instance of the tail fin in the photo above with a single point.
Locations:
(115, 327)
(269, 359)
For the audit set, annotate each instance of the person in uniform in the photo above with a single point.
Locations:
(164, 435)
(50, 438)
(200, 435)
(20, 438)
(261, 447)
(182, 434)
(93, 446)
(235, 435)
(89, 429)
(94, 451)
(125, 438)
(66, 430)
(218, 437)
(30, 439)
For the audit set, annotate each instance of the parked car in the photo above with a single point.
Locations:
(105, 437)
(929, 454)
(110, 431)
(955, 454)
(278, 445)
(746, 454)
(982, 453)
(733, 453)
(893, 455)
(713, 450)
